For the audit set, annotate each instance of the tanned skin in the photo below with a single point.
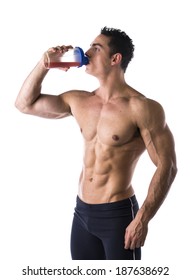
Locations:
(118, 124)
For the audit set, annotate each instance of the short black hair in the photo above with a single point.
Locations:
(120, 42)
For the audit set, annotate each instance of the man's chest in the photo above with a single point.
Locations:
(111, 123)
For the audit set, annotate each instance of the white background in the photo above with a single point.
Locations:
(40, 159)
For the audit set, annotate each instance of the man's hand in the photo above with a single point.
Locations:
(59, 49)
(135, 234)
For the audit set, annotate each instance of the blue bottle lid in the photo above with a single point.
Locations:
(82, 57)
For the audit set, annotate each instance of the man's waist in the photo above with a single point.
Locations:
(104, 193)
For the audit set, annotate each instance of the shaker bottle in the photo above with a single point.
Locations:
(72, 58)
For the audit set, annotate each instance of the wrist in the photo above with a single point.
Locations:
(43, 63)
(144, 215)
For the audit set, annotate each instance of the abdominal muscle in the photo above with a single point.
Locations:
(107, 173)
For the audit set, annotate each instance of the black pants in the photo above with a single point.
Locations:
(98, 230)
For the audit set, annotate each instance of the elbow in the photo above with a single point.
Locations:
(21, 107)
(17, 105)
(174, 170)
(169, 170)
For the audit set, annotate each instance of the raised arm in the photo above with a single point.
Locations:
(160, 146)
(30, 100)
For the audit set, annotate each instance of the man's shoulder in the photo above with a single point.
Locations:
(147, 112)
(142, 107)
(73, 96)
(137, 98)
(77, 94)
(140, 101)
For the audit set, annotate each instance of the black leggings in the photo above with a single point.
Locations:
(98, 230)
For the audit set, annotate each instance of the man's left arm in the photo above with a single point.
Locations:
(160, 145)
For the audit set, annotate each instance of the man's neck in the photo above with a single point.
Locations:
(111, 87)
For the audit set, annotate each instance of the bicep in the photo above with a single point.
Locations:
(156, 134)
(49, 106)
(160, 145)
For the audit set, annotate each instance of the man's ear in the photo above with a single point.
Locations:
(116, 58)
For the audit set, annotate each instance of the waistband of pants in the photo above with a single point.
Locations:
(128, 202)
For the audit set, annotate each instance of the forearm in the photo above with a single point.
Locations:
(31, 88)
(157, 192)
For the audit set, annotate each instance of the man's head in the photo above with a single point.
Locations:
(121, 43)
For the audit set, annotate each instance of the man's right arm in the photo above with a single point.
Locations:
(30, 100)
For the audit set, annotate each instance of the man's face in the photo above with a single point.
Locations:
(99, 56)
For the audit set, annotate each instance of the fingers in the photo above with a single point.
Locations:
(61, 49)
(127, 241)
(64, 69)
(135, 234)
(54, 52)
(132, 242)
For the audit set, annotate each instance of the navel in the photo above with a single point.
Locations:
(115, 137)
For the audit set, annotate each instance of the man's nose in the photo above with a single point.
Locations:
(87, 53)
